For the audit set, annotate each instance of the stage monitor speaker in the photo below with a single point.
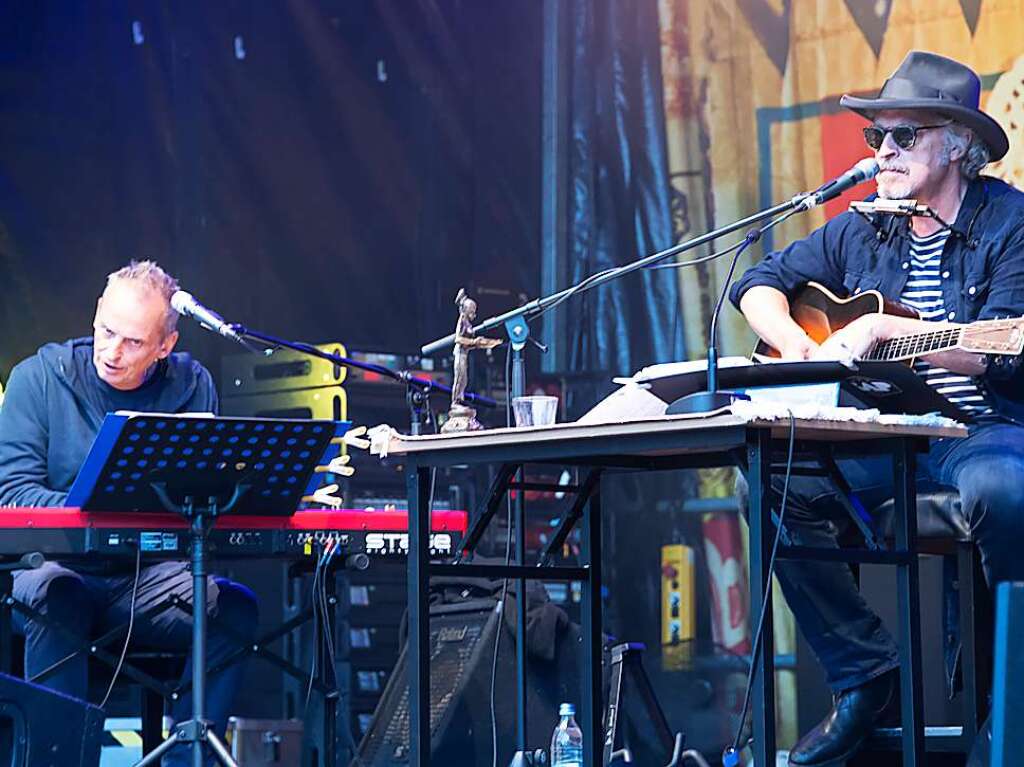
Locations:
(461, 654)
(43, 728)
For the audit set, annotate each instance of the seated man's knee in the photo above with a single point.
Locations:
(52, 589)
(992, 496)
(55, 592)
(807, 499)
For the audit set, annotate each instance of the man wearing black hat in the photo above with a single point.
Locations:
(965, 264)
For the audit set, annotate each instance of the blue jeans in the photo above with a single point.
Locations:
(849, 639)
(93, 604)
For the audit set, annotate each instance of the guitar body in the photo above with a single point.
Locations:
(821, 313)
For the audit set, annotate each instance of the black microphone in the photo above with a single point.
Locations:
(862, 171)
(185, 304)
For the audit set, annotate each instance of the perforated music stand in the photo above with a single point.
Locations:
(200, 467)
(201, 455)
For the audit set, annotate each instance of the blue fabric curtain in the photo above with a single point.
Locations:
(619, 189)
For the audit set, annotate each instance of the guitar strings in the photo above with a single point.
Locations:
(917, 344)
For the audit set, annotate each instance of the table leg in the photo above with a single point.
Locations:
(592, 708)
(418, 488)
(763, 693)
(521, 605)
(908, 601)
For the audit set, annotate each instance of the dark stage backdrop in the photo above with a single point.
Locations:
(320, 169)
(336, 170)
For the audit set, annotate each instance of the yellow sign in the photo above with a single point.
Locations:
(678, 605)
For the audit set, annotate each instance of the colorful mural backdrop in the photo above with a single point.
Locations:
(752, 93)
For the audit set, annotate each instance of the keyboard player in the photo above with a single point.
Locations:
(54, 404)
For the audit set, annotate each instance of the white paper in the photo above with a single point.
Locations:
(629, 403)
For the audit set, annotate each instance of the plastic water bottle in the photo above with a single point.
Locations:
(567, 739)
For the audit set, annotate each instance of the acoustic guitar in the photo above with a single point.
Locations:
(821, 313)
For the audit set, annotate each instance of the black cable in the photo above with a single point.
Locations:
(508, 422)
(314, 605)
(677, 265)
(504, 581)
(131, 624)
(497, 635)
(574, 290)
(332, 543)
(697, 261)
(759, 633)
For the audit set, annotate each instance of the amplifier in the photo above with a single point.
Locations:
(283, 370)
(326, 403)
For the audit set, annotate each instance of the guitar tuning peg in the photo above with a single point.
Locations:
(325, 497)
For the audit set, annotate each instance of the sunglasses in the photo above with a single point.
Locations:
(903, 135)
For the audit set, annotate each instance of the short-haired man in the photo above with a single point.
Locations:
(931, 141)
(55, 402)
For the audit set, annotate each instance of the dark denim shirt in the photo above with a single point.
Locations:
(982, 269)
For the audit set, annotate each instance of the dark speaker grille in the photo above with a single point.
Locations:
(456, 643)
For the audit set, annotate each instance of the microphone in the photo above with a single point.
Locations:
(862, 171)
(186, 304)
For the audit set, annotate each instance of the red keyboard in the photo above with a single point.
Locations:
(67, 533)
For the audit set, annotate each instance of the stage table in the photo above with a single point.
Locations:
(757, 446)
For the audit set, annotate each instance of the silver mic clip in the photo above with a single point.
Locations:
(803, 202)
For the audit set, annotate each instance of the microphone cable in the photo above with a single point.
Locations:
(730, 756)
(504, 581)
(677, 265)
(131, 625)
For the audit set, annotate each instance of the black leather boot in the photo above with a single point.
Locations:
(853, 716)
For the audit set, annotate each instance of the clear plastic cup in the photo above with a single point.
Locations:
(535, 411)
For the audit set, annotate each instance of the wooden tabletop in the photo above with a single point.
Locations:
(807, 429)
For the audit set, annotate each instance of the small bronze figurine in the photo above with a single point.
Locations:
(461, 417)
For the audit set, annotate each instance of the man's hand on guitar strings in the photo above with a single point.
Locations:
(800, 347)
(852, 342)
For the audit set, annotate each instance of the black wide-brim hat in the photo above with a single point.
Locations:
(928, 81)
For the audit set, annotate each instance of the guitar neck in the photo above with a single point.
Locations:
(916, 345)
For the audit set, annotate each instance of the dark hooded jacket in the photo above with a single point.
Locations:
(982, 267)
(54, 405)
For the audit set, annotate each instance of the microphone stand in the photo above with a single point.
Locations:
(515, 320)
(418, 389)
(712, 398)
(516, 324)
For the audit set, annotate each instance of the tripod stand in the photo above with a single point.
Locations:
(626, 663)
(198, 730)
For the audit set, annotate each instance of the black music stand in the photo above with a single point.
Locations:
(200, 467)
